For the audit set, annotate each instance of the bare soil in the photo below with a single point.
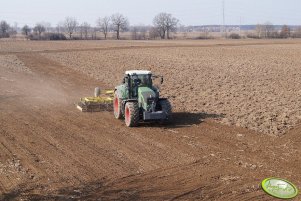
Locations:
(51, 151)
(252, 86)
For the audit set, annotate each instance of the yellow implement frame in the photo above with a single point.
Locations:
(96, 104)
(97, 99)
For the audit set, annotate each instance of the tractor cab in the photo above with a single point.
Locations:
(134, 79)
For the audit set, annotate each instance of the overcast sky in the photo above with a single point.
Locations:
(189, 12)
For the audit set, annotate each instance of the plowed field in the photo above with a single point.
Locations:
(237, 111)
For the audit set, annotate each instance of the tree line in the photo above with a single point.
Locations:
(112, 26)
(268, 30)
(70, 28)
(6, 30)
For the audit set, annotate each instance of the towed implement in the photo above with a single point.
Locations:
(136, 100)
(102, 101)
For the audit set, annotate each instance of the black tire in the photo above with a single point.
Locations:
(166, 107)
(131, 114)
(117, 107)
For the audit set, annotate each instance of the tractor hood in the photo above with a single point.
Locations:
(146, 92)
(146, 96)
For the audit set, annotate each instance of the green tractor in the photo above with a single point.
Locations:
(137, 99)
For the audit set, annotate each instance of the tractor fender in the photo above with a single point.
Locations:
(121, 91)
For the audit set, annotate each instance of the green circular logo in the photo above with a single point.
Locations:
(279, 188)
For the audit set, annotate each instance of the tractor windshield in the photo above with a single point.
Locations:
(143, 80)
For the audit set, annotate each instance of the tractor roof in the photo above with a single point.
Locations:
(138, 72)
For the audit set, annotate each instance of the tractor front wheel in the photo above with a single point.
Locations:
(117, 107)
(131, 114)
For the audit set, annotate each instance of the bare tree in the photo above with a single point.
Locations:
(4, 29)
(171, 25)
(297, 32)
(160, 24)
(268, 29)
(39, 29)
(165, 23)
(26, 30)
(47, 26)
(94, 33)
(84, 30)
(259, 30)
(120, 23)
(104, 24)
(154, 33)
(285, 32)
(70, 25)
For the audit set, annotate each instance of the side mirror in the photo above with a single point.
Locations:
(161, 80)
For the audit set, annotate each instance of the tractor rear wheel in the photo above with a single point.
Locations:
(131, 114)
(166, 107)
(117, 107)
